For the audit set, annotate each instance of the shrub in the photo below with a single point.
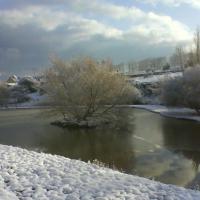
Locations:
(166, 66)
(28, 84)
(4, 95)
(172, 92)
(191, 88)
(84, 88)
(183, 91)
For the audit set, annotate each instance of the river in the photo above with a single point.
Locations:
(141, 143)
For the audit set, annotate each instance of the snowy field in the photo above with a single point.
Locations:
(29, 175)
(175, 112)
(157, 78)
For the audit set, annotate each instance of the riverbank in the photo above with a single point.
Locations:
(23, 107)
(29, 175)
(173, 112)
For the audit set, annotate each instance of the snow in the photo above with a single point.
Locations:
(157, 78)
(29, 175)
(35, 99)
(175, 112)
(11, 84)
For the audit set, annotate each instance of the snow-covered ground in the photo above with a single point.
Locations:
(35, 100)
(157, 78)
(175, 112)
(29, 175)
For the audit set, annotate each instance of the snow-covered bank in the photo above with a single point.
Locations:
(30, 175)
(157, 78)
(175, 112)
(23, 107)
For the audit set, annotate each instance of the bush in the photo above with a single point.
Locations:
(172, 92)
(183, 91)
(166, 66)
(84, 88)
(4, 95)
(28, 84)
(19, 94)
(191, 88)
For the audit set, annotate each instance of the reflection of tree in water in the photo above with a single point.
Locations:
(194, 156)
(183, 137)
(111, 145)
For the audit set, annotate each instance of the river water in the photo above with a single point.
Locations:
(141, 143)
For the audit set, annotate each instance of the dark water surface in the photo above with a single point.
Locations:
(141, 143)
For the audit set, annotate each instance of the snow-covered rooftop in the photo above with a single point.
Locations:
(30, 175)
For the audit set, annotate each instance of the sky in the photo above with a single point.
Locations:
(122, 30)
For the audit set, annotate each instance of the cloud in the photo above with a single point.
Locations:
(32, 30)
(192, 3)
(49, 19)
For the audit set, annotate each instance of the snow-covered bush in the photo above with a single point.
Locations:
(85, 88)
(19, 94)
(172, 92)
(29, 84)
(183, 91)
(191, 88)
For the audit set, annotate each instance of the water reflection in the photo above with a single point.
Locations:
(110, 145)
(185, 141)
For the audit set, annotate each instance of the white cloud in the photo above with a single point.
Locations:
(154, 27)
(49, 20)
(192, 3)
(95, 27)
(151, 26)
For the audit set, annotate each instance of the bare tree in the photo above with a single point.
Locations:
(197, 45)
(84, 88)
(180, 56)
(191, 58)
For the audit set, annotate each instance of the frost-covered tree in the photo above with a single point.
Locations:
(183, 91)
(172, 92)
(178, 58)
(193, 56)
(191, 88)
(197, 45)
(85, 88)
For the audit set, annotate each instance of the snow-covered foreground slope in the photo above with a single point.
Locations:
(30, 175)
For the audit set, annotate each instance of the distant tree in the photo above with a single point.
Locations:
(4, 95)
(166, 66)
(191, 59)
(194, 54)
(84, 88)
(180, 57)
(197, 45)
